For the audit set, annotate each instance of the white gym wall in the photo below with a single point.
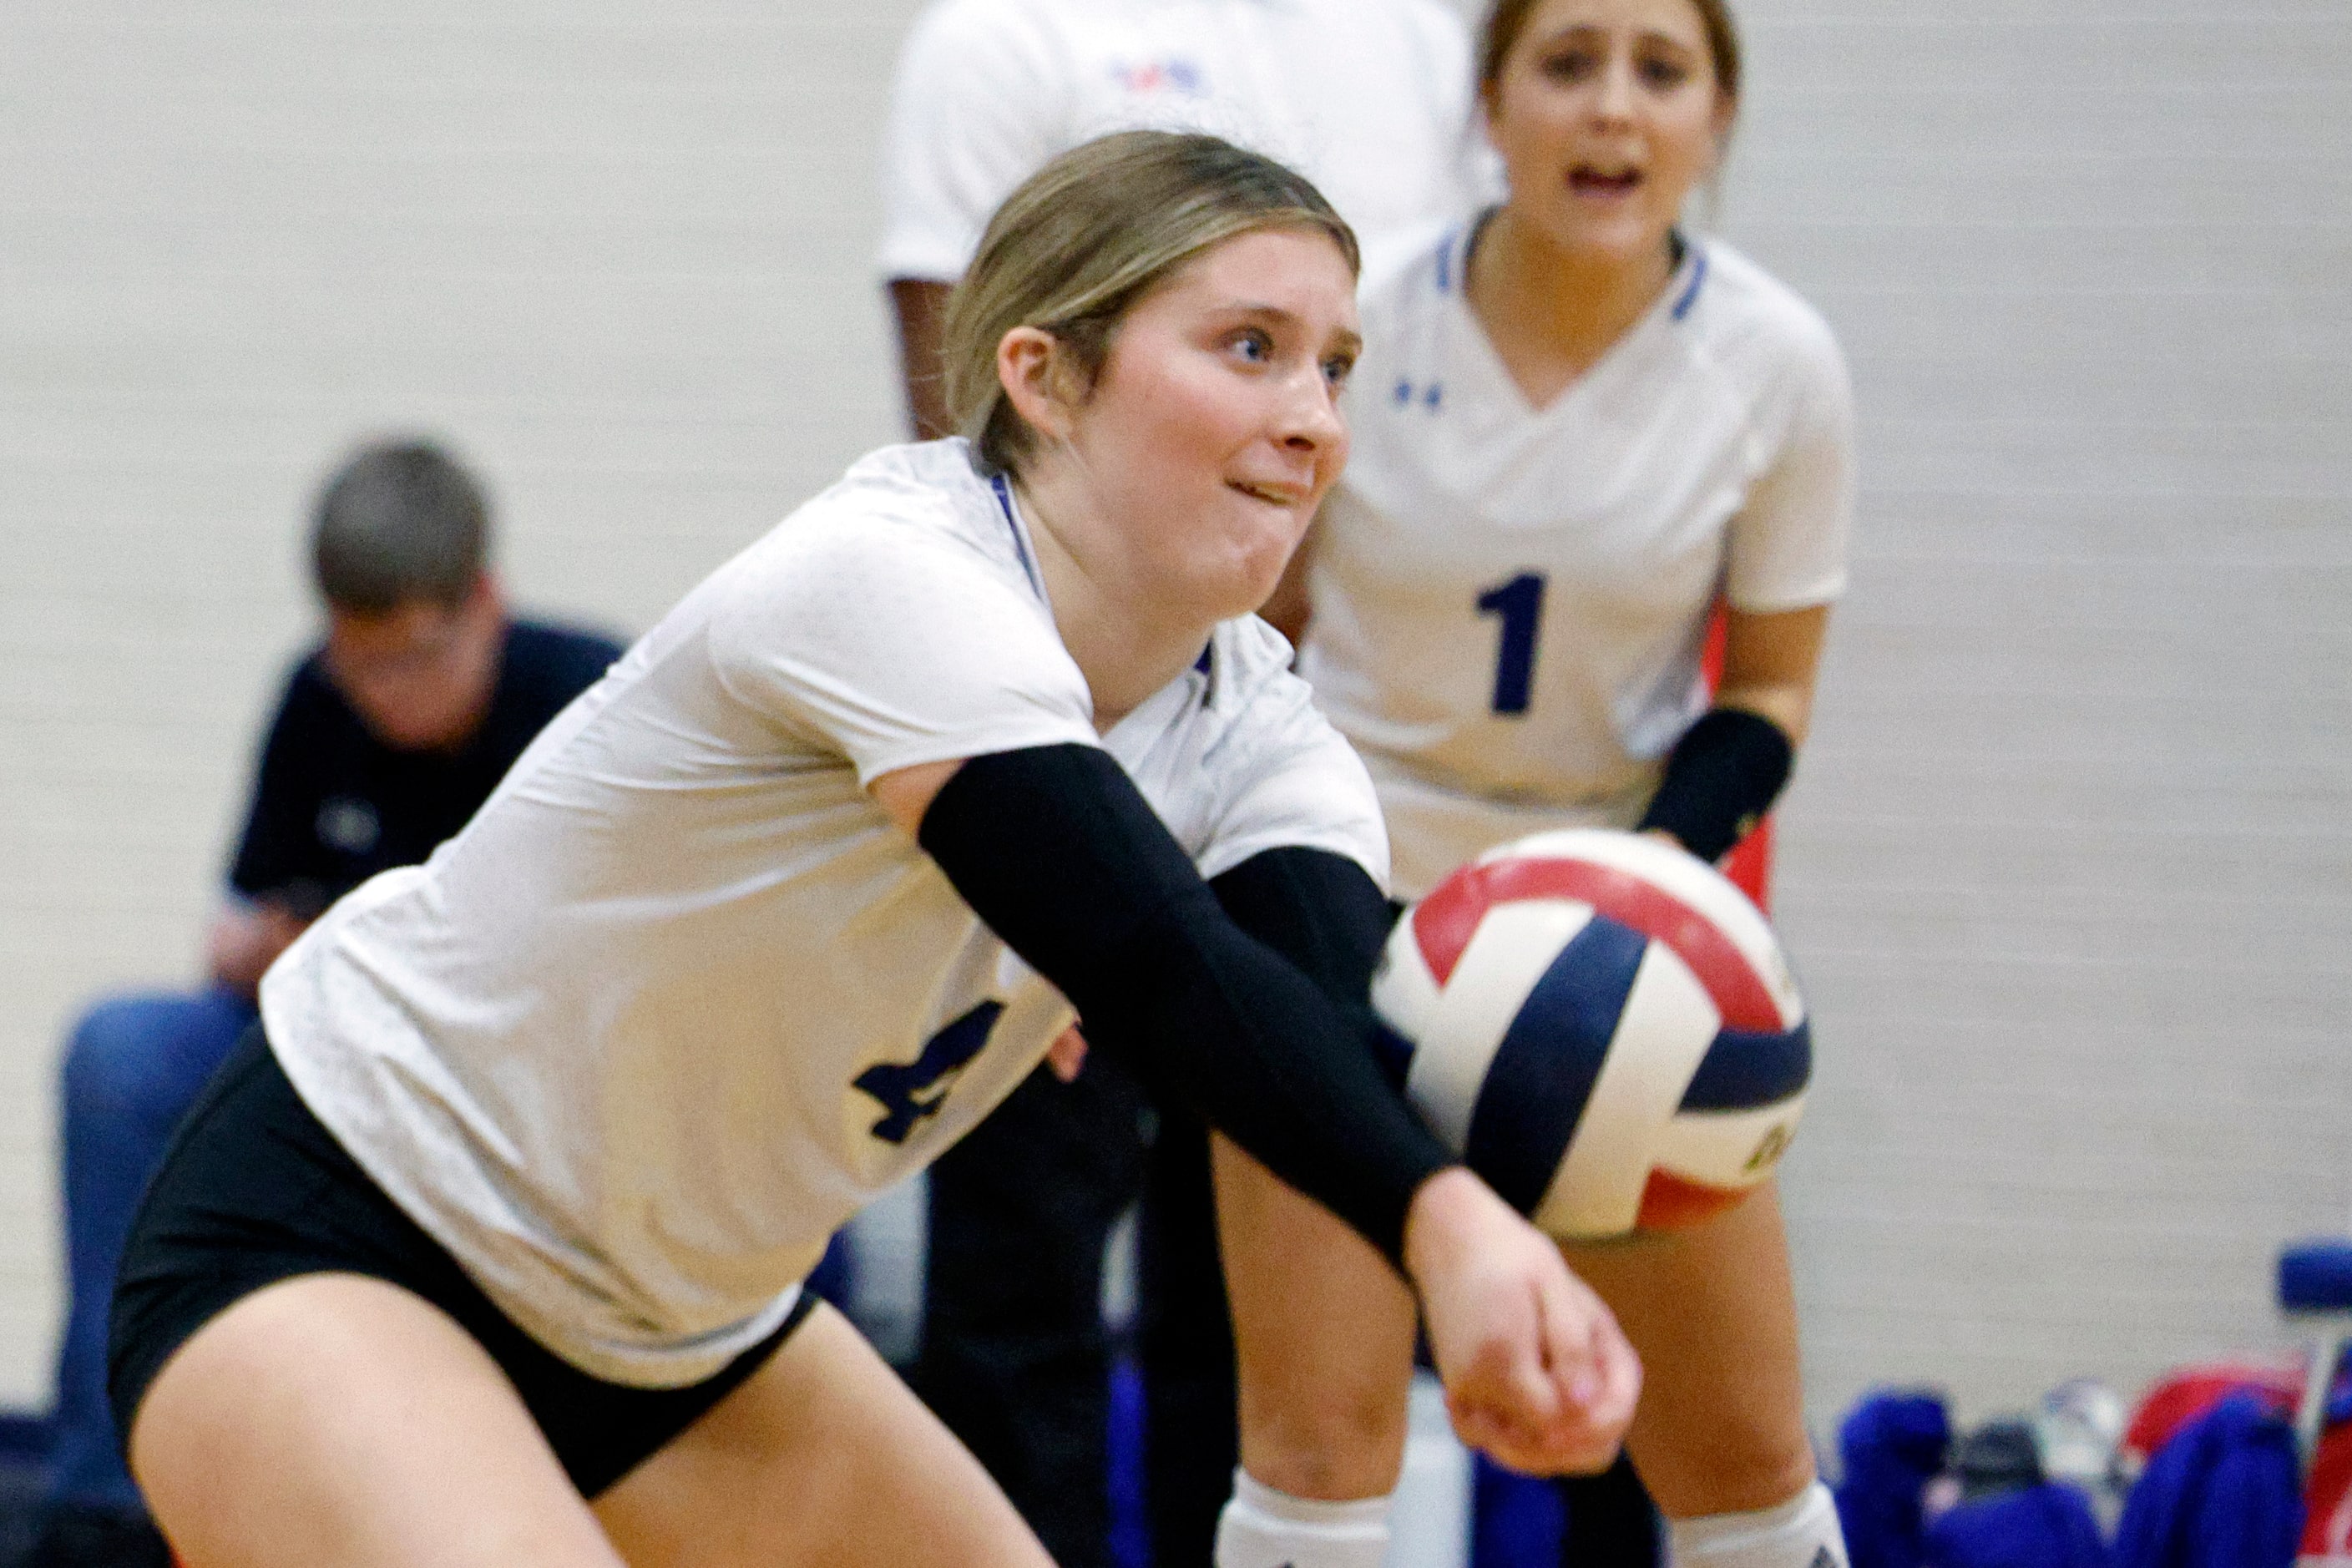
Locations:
(2066, 869)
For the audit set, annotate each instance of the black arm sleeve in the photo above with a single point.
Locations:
(1322, 912)
(1056, 850)
(1721, 778)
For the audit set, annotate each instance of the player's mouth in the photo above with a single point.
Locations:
(1273, 493)
(1603, 180)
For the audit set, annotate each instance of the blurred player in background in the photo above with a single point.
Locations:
(1370, 100)
(1579, 429)
(388, 737)
(485, 1245)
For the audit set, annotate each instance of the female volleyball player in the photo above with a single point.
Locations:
(487, 1252)
(1577, 430)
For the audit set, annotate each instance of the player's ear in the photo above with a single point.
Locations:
(1030, 365)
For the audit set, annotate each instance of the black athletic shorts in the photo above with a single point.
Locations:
(252, 1190)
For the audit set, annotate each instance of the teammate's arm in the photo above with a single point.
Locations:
(1726, 772)
(978, 102)
(921, 308)
(1769, 662)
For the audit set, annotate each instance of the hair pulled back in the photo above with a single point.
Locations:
(1084, 237)
(1508, 19)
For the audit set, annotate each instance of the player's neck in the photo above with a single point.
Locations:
(1126, 637)
(1552, 312)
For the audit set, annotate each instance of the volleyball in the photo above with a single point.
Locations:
(1602, 1026)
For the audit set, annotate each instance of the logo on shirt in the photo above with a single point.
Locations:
(911, 1093)
(1405, 395)
(1175, 75)
(348, 825)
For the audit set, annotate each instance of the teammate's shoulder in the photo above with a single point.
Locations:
(967, 17)
(1411, 267)
(981, 38)
(1737, 301)
(1432, 18)
(1422, 20)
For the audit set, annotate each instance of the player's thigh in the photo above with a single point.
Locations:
(822, 1457)
(1323, 1336)
(1720, 1426)
(336, 1419)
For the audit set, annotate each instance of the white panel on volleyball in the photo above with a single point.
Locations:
(1460, 1028)
(1727, 1149)
(1597, 1191)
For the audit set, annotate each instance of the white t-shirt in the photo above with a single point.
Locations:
(680, 998)
(1510, 603)
(1369, 98)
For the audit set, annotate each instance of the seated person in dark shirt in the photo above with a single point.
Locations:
(389, 736)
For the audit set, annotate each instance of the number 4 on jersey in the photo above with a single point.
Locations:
(910, 1092)
(1519, 603)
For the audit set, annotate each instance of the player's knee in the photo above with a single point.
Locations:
(1732, 1468)
(1738, 1468)
(1337, 1444)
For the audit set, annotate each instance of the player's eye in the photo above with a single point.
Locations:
(1664, 74)
(1253, 344)
(1570, 64)
(1336, 369)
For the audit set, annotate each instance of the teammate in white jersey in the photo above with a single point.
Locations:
(1578, 430)
(1367, 98)
(485, 1250)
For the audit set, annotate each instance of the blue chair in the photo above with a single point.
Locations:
(2314, 1291)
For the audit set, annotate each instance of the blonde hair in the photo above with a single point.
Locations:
(1086, 237)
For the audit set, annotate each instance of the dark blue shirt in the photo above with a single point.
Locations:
(333, 805)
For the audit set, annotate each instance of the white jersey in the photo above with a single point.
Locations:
(681, 999)
(1510, 603)
(1369, 98)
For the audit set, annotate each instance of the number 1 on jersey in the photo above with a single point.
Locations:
(1519, 603)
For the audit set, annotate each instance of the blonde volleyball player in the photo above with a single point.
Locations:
(1577, 429)
(485, 1248)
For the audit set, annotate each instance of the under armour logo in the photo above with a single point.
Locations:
(1825, 1558)
(1431, 395)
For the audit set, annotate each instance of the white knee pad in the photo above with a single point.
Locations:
(1262, 1528)
(1801, 1533)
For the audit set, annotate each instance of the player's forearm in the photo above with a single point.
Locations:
(1059, 854)
(1789, 705)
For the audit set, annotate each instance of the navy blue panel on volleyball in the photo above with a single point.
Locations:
(1535, 1091)
(1746, 1069)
